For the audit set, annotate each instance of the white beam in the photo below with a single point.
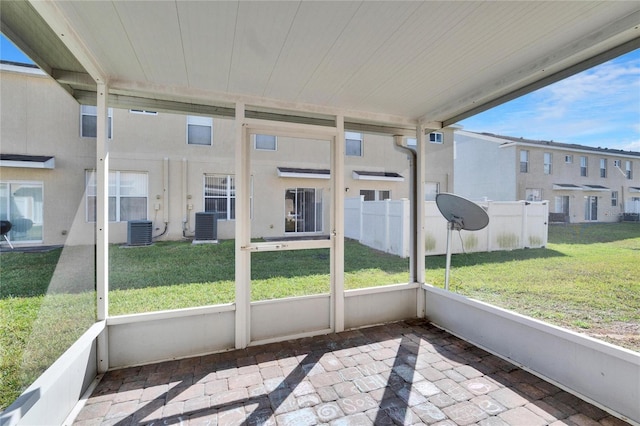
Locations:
(419, 211)
(102, 220)
(337, 223)
(243, 231)
(52, 15)
(207, 97)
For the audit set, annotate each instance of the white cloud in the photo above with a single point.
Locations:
(598, 107)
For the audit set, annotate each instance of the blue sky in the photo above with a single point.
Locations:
(599, 107)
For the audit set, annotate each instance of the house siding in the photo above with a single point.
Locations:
(40, 118)
(480, 147)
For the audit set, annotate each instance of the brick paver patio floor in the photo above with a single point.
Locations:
(402, 373)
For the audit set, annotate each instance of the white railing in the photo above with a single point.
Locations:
(384, 226)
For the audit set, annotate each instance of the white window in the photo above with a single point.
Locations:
(199, 130)
(303, 210)
(562, 204)
(627, 168)
(436, 137)
(614, 198)
(603, 167)
(524, 161)
(265, 142)
(375, 195)
(568, 159)
(533, 194)
(89, 121)
(547, 163)
(431, 189)
(617, 163)
(220, 196)
(353, 144)
(21, 203)
(128, 196)
(584, 161)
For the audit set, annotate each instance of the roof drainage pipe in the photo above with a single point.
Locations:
(414, 199)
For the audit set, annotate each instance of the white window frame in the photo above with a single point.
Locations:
(614, 198)
(432, 189)
(628, 171)
(533, 194)
(548, 163)
(200, 121)
(353, 138)
(559, 203)
(378, 194)
(31, 209)
(115, 194)
(617, 163)
(92, 111)
(262, 148)
(584, 166)
(568, 159)
(229, 195)
(524, 161)
(436, 137)
(603, 167)
(318, 211)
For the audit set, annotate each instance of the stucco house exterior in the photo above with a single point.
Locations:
(166, 168)
(581, 183)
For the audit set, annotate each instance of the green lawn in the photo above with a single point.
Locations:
(586, 279)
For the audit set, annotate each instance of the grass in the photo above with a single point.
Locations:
(586, 279)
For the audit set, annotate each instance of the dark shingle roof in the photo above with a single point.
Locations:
(563, 145)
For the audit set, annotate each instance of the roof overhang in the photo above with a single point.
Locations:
(634, 189)
(595, 188)
(27, 161)
(566, 187)
(573, 187)
(292, 172)
(384, 66)
(379, 176)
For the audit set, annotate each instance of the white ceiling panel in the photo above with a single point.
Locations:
(261, 31)
(311, 36)
(99, 21)
(208, 37)
(387, 61)
(154, 31)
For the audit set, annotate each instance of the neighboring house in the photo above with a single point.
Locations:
(581, 183)
(166, 168)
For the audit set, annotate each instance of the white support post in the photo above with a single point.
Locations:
(337, 223)
(102, 220)
(243, 232)
(419, 210)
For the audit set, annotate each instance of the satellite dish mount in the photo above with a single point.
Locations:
(460, 213)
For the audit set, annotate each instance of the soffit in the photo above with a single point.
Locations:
(378, 62)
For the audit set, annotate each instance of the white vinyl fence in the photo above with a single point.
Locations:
(384, 226)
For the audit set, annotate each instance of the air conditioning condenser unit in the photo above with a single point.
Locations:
(139, 233)
(206, 227)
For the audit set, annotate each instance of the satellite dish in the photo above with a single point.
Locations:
(460, 213)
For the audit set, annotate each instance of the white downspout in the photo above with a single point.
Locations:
(165, 191)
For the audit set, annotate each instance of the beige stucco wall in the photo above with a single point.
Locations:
(37, 117)
(563, 173)
(40, 118)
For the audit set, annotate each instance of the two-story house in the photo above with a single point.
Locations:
(581, 183)
(165, 168)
